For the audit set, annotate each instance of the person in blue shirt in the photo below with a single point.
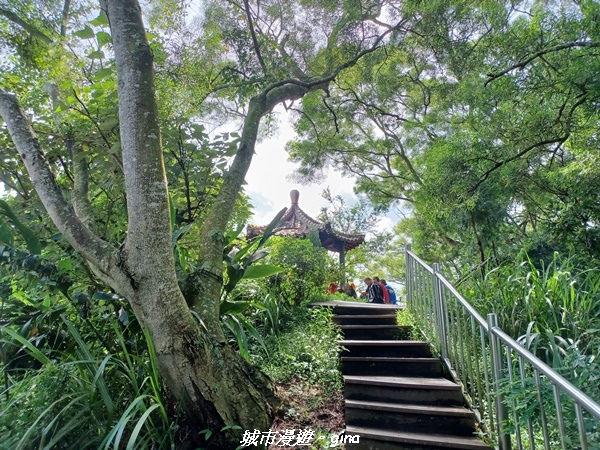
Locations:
(391, 291)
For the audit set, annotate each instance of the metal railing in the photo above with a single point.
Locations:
(519, 400)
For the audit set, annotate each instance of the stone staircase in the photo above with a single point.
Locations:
(396, 396)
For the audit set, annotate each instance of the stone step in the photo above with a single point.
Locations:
(375, 439)
(375, 332)
(383, 366)
(454, 420)
(365, 319)
(392, 348)
(414, 390)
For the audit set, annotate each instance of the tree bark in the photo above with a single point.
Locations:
(210, 276)
(25, 25)
(211, 379)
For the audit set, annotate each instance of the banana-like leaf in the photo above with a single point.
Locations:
(33, 243)
(261, 271)
(233, 307)
(269, 230)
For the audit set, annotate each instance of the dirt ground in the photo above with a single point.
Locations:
(310, 418)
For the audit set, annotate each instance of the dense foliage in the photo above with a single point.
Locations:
(478, 118)
(482, 122)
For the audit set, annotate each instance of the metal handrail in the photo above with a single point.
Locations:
(500, 378)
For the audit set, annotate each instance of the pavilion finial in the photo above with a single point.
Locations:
(294, 196)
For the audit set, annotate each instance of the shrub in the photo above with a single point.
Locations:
(307, 269)
(307, 350)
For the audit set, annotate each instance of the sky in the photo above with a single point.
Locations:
(268, 181)
(269, 186)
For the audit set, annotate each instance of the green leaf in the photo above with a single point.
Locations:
(102, 19)
(103, 38)
(33, 244)
(61, 107)
(33, 350)
(261, 271)
(98, 54)
(86, 33)
(109, 124)
(233, 307)
(269, 230)
(133, 444)
(181, 231)
(103, 73)
(6, 236)
(85, 351)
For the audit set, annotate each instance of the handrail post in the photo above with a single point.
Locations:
(408, 285)
(496, 360)
(440, 311)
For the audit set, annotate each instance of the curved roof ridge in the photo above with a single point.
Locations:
(296, 222)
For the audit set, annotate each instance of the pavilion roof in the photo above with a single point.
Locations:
(296, 223)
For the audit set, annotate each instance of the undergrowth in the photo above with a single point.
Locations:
(307, 351)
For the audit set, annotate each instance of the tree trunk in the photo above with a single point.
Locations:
(212, 383)
(216, 386)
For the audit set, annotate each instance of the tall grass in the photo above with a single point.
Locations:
(305, 351)
(88, 400)
(89, 394)
(553, 310)
(548, 308)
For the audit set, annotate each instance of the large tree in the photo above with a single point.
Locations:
(478, 121)
(259, 55)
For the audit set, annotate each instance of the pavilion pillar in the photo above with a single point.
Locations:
(343, 263)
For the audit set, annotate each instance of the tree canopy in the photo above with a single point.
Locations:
(482, 121)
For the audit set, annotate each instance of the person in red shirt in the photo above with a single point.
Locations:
(386, 295)
(332, 289)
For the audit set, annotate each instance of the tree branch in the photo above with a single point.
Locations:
(100, 253)
(12, 186)
(26, 26)
(254, 40)
(65, 18)
(556, 48)
(211, 236)
(80, 195)
(523, 152)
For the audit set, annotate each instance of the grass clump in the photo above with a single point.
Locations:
(87, 399)
(306, 352)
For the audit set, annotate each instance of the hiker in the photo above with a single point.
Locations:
(391, 292)
(349, 291)
(374, 291)
(386, 295)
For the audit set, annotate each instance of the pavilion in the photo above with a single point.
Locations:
(296, 223)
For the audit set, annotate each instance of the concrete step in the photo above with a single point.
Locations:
(365, 319)
(454, 420)
(375, 439)
(360, 308)
(414, 390)
(393, 348)
(383, 366)
(375, 332)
